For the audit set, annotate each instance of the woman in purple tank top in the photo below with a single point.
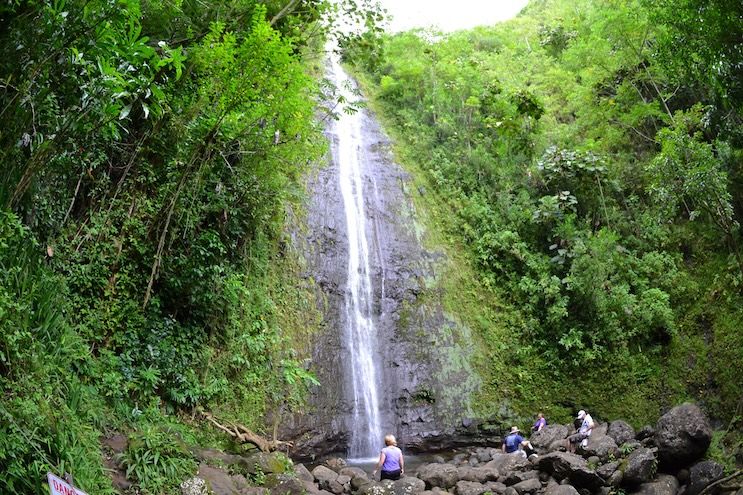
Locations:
(390, 460)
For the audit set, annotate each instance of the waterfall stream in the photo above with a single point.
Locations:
(388, 358)
(359, 319)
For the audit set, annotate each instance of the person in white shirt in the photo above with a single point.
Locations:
(583, 432)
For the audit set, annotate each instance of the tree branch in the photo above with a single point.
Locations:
(288, 8)
(709, 487)
(243, 434)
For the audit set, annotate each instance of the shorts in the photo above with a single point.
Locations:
(390, 475)
(578, 437)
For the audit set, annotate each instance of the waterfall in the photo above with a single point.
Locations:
(358, 309)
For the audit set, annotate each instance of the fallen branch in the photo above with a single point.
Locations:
(720, 481)
(244, 435)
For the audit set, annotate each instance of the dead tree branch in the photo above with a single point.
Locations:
(244, 435)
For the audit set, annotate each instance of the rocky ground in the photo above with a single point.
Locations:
(660, 460)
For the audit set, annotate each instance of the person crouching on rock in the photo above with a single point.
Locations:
(390, 460)
(584, 431)
(516, 444)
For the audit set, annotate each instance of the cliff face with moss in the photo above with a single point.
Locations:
(425, 354)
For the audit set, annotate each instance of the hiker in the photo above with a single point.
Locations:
(390, 460)
(584, 431)
(514, 443)
(540, 423)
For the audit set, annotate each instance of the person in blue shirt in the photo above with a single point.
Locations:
(514, 443)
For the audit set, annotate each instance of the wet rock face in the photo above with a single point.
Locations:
(423, 354)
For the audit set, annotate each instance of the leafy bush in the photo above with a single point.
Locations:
(157, 459)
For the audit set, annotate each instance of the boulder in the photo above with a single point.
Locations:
(560, 490)
(682, 436)
(470, 488)
(616, 478)
(510, 491)
(242, 484)
(345, 481)
(212, 457)
(600, 430)
(620, 432)
(496, 487)
(505, 463)
(217, 481)
(646, 431)
(408, 485)
(377, 488)
(561, 464)
(322, 474)
(641, 466)
(664, 484)
(301, 472)
(284, 484)
(702, 474)
(358, 482)
(267, 463)
(602, 447)
(311, 488)
(438, 475)
(334, 487)
(584, 477)
(354, 472)
(477, 474)
(683, 476)
(327, 479)
(519, 476)
(648, 442)
(527, 486)
(259, 490)
(336, 463)
(633, 445)
(544, 439)
(483, 455)
(607, 470)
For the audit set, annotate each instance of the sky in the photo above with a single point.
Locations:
(448, 15)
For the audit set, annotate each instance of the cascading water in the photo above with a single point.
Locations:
(389, 358)
(359, 319)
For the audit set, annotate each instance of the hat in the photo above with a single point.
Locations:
(581, 414)
(515, 429)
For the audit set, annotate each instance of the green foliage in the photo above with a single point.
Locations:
(152, 150)
(49, 415)
(157, 459)
(573, 173)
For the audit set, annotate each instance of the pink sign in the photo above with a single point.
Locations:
(61, 487)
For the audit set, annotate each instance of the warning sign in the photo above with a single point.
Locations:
(61, 487)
